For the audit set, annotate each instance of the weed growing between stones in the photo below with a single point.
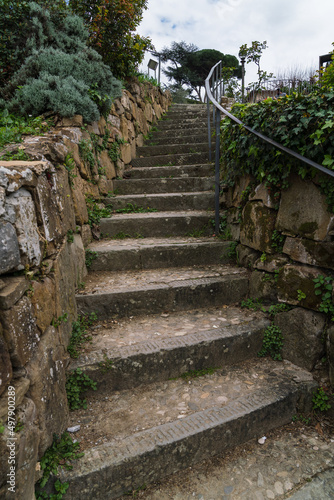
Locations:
(78, 382)
(232, 251)
(79, 334)
(254, 304)
(278, 308)
(18, 155)
(106, 364)
(90, 256)
(301, 295)
(324, 287)
(70, 236)
(301, 418)
(320, 400)
(62, 451)
(133, 208)
(96, 212)
(272, 343)
(70, 167)
(13, 127)
(277, 241)
(58, 321)
(134, 493)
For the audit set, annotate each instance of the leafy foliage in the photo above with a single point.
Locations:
(79, 333)
(112, 25)
(320, 400)
(254, 54)
(96, 211)
(13, 127)
(272, 343)
(77, 382)
(303, 123)
(191, 66)
(324, 287)
(60, 73)
(62, 451)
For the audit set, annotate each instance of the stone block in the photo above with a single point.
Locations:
(246, 256)
(23, 206)
(74, 121)
(125, 152)
(65, 283)
(302, 333)
(93, 128)
(140, 140)
(124, 128)
(264, 194)
(9, 248)
(303, 211)
(74, 151)
(107, 165)
(257, 226)
(102, 125)
(86, 235)
(262, 286)
(79, 201)
(2, 201)
(42, 299)
(115, 121)
(234, 196)
(15, 287)
(6, 370)
(79, 260)
(310, 252)
(105, 185)
(148, 112)
(20, 332)
(14, 175)
(21, 387)
(297, 277)
(272, 263)
(63, 195)
(46, 372)
(26, 454)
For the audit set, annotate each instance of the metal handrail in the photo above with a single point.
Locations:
(211, 91)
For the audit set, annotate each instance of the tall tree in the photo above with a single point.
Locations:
(191, 66)
(112, 25)
(254, 54)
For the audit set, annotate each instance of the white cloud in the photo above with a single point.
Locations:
(297, 32)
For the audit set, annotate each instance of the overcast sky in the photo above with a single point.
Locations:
(297, 31)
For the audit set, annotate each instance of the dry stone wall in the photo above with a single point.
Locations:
(287, 240)
(44, 227)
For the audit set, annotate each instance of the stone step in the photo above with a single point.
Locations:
(200, 131)
(173, 159)
(131, 438)
(171, 202)
(201, 135)
(167, 149)
(185, 114)
(201, 170)
(133, 293)
(154, 253)
(180, 123)
(154, 348)
(160, 224)
(168, 185)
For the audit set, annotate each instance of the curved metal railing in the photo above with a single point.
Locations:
(213, 90)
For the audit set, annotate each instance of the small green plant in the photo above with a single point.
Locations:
(232, 251)
(263, 257)
(19, 426)
(19, 155)
(278, 308)
(320, 400)
(77, 382)
(324, 287)
(106, 364)
(272, 343)
(70, 236)
(302, 419)
(90, 256)
(301, 295)
(13, 127)
(121, 236)
(134, 493)
(197, 233)
(96, 212)
(70, 167)
(277, 241)
(133, 208)
(79, 335)
(58, 321)
(254, 304)
(2, 428)
(87, 154)
(199, 373)
(60, 454)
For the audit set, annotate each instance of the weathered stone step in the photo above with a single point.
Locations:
(202, 170)
(160, 224)
(162, 138)
(200, 131)
(151, 349)
(182, 124)
(153, 253)
(131, 439)
(168, 149)
(174, 289)
(169, 185)
(173, 159)
(171, 202)
(185, 114)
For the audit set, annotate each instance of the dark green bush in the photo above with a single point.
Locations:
(61, 74)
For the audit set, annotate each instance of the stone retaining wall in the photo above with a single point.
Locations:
(43, 231)
(287, 240)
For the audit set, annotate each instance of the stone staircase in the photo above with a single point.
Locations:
(167, 304)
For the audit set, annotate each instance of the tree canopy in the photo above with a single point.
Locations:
(190, 66)
(112, 25)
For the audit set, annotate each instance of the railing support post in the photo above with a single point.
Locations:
(209, 128)
(217, 173)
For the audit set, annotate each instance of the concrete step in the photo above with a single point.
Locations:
(131, 438)
(154, 348)
(154, 253)
(171, 202)
(185, 114)
(202, 170)
(200, 131)
(180, 123)
(167, 149)
(160, 224)
(173, 159)
(168, 185)
(133, 293)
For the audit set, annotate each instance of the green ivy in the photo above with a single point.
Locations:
(272, 343)
(320, 400)
(79, 333)
(96, 212)
(77, 382)
(324, 287)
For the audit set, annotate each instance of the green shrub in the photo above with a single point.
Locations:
(61, 74)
